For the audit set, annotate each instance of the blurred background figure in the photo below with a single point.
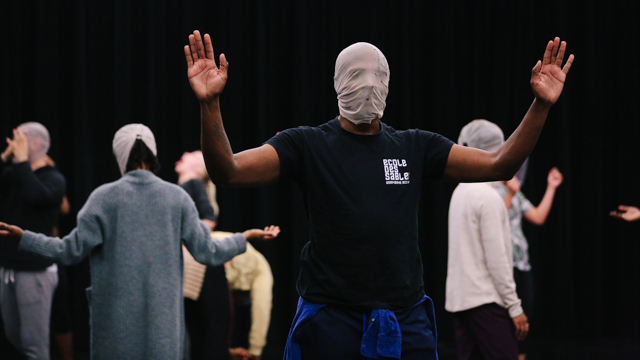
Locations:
(31, 191)
(251, 282)
(480, 289)
(206, 290)
(61, 322)
(518, 206)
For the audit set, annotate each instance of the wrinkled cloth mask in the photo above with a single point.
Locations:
(38, 139)
(361, 80)
(125, 138)
(481, 134)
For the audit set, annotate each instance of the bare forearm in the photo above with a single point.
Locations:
(517, 148)
(218, 156)
(507, 199)
(539, 214)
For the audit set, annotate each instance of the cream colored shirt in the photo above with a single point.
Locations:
(480, 264)
(251, 272)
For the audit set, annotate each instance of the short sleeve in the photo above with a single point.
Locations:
(525, 204)
(437, 148)
(289, 145)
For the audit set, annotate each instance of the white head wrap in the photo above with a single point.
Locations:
(125, 138)
(38, 138)
(481, 134)
(361, 80)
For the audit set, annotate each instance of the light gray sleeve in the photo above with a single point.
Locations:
(497, 254)
(197, 238)
(74, 247)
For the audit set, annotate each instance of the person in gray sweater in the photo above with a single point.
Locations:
(133, 230)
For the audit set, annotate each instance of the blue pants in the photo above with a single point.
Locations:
(337, 333)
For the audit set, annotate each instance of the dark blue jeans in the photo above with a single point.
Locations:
(336, 333)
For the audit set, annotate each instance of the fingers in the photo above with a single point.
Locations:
(623, 208)
(192, 45)
(546, 60)
(554, 51)
(224, 65)
(524, 330)
(187, 54)
(537, 68)
(560, 56)
(567, 66)
(199, 44)
(208, 47)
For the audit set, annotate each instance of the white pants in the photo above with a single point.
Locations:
(25, 306)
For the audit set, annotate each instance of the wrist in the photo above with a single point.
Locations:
(210, 102)
(541, 104)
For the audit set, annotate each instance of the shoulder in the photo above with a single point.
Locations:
(418, 136)
(52, 174)
(483, 193)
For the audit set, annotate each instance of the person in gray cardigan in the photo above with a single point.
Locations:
(132, 231)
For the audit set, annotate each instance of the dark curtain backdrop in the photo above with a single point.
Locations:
(84, 69)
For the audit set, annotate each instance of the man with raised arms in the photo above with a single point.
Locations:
(361, 273)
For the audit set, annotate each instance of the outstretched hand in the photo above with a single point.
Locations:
(628, 213)
(206, 79)
(268, 233)
(10, 231)
(547, 77)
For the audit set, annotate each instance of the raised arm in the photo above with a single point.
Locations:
(256, 166)
(547, 81)
(538, 214)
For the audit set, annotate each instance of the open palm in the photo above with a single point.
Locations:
(547, 77)
(206, 79)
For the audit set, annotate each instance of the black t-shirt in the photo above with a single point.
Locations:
(31, 200)
(198, 192)
(361, 195)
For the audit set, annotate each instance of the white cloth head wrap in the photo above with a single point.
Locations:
(481, 134)
(125, 138)
(361, 80)
(38, 138)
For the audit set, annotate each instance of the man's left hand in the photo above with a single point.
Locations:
(547, 77)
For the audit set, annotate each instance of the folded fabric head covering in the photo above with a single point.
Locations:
(481, 134)
(38, 138)
(361, 80)
(125, 138)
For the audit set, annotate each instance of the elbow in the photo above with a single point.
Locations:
(538, 222)
(503, 172)
(537, 219)
(504, 168)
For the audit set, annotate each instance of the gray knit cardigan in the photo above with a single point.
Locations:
(132, 230)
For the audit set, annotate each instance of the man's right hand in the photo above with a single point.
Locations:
(522, 326)
(206, 79)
